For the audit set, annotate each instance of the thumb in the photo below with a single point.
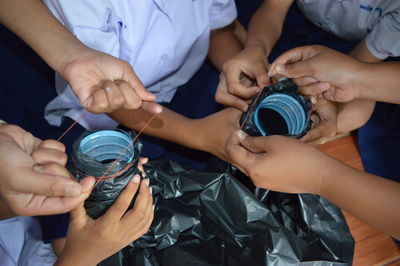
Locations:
(295, 70)
(78, 215)
(138, 86)
(261, 76)
(253, 144)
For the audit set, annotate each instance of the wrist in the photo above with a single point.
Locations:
(365, 82)
(75, 258)
(257, 45)
(74, 53)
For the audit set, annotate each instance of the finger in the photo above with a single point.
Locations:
(56, 205)
(304, 81)
(260, 72)
(231, 100)
(253, 144)
(152, 108)
(241, 91)
(53, 168)
(293, 56)
(239, 155)
(142, 207)
(312, 135)
(135, 83)
(46, 184)
(100, 100)
(87, 184)
(132, 100)
(118, 209)
(114, 94)
(77, 216)
(314, 89)
(43, 156)
(295, 70)
(52, 144)
(136, 234)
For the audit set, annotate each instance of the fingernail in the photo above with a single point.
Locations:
(146, 182)
(151, 190)
(245, 107)
(154, 206)
(324, 86)
(158, 109)
(37, 168)
(271, 73)
(313, 100)
(280, 68)
(72, 191)
(136, 179)
(89, 102)
(241, 134)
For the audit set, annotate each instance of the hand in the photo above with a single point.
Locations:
(324, 118)
(321, 71)
(33, 180)
(91, 241)
(239, 73)
(104, 83)
(279, 163)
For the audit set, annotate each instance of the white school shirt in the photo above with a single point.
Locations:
(165, 41)
(376, 21)
(21, 243)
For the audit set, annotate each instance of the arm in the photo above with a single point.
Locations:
(354, 114)
(348, 78)
(265, 26)
(33, 179)
(284, 164)
(85, 69)
(91, 241)
(224, 44)
(207, 134)
(246, 73)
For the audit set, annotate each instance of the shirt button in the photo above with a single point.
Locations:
(164, 57)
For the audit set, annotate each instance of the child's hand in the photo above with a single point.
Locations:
(33, 179)
(278, 163)
(90, 241)
(324, 121)
(239, 74)
(104, 83)
(320, 71)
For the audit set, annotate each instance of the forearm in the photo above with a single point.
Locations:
(34, 23)
(207, 134)
(370, 198)
(265, 27)
(353, 115)
(224, 44)
(167, 125)
(381, 82)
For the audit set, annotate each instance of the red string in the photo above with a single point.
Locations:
(251, 109)
(104, 177)
(70, 127)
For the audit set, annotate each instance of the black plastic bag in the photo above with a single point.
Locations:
(212, 219)
(278, 110)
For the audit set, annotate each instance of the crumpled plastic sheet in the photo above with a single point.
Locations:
(212, 219)
(285, 86)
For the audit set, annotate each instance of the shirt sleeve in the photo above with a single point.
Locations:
(94, 23)
(223, 12)
(383, 40)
